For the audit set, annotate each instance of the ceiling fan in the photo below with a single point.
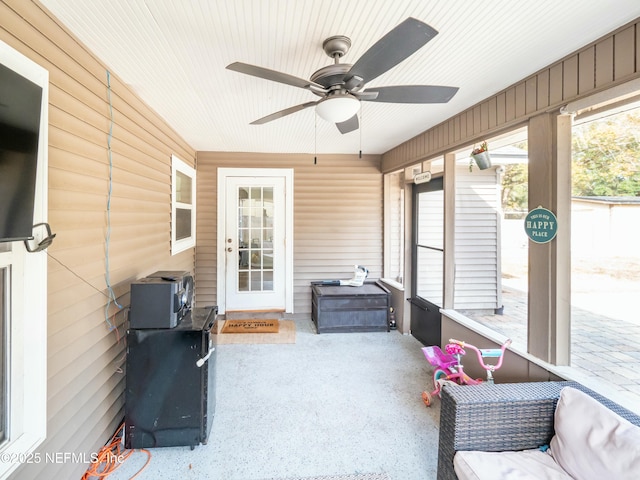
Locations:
(342, 85)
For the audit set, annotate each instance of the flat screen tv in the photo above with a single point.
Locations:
(20, 107)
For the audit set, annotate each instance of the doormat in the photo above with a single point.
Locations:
(286, 334)
(251, 326)
(358, 476)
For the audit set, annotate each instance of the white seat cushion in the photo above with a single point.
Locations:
(524, 465)
(592, 442)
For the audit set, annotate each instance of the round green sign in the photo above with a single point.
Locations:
(541, 225)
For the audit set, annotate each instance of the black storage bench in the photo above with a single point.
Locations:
(350, 309)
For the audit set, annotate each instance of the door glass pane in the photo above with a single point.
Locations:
(430, 275)
(256, 260)
(429, 246)
(267, 260)
(255, 234)
(431, 219)
(256, 281)
(267, 280)
(256, 237)
(243, 281)
(243, 237)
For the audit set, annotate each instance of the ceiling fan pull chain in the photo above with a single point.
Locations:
(361, 125)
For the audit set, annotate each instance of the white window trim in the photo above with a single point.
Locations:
(388, 275)
(27, 333)
(177, 246)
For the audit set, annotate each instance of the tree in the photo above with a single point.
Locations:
(606, 156)
(515, 185)
(605, 162)
(515, 188)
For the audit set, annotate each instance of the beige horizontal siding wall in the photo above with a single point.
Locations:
(337, 217)
(477, 249)
(85, 384)
(612, 60)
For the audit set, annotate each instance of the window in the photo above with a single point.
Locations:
(394, 227)
(183, 206)
(492, 246)
(23, 307)
(605, 259)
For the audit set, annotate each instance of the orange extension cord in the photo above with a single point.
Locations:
(111, 457)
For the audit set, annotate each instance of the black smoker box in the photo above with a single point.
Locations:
(170, 382)
(350, 309)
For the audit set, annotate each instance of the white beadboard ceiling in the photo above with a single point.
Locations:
(173, 53)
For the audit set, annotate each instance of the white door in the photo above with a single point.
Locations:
(255, 247)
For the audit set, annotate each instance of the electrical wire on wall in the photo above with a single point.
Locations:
(66, 267)
(112, 295)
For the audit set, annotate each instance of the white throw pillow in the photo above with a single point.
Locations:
(523, 465)
(592, 442)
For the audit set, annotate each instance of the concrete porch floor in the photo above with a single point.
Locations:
(349, 403)
(330, 404)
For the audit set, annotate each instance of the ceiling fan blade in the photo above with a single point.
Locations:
(397, 45)
(275, 76)
(348, 125)
(412, 94)
(283, 113)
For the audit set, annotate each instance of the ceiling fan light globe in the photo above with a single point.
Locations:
(338, 108)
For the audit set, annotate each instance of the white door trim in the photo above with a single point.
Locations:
(223, 173)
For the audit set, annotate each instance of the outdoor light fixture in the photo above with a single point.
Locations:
(338, 108)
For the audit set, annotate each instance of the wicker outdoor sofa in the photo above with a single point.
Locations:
(502, 417)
